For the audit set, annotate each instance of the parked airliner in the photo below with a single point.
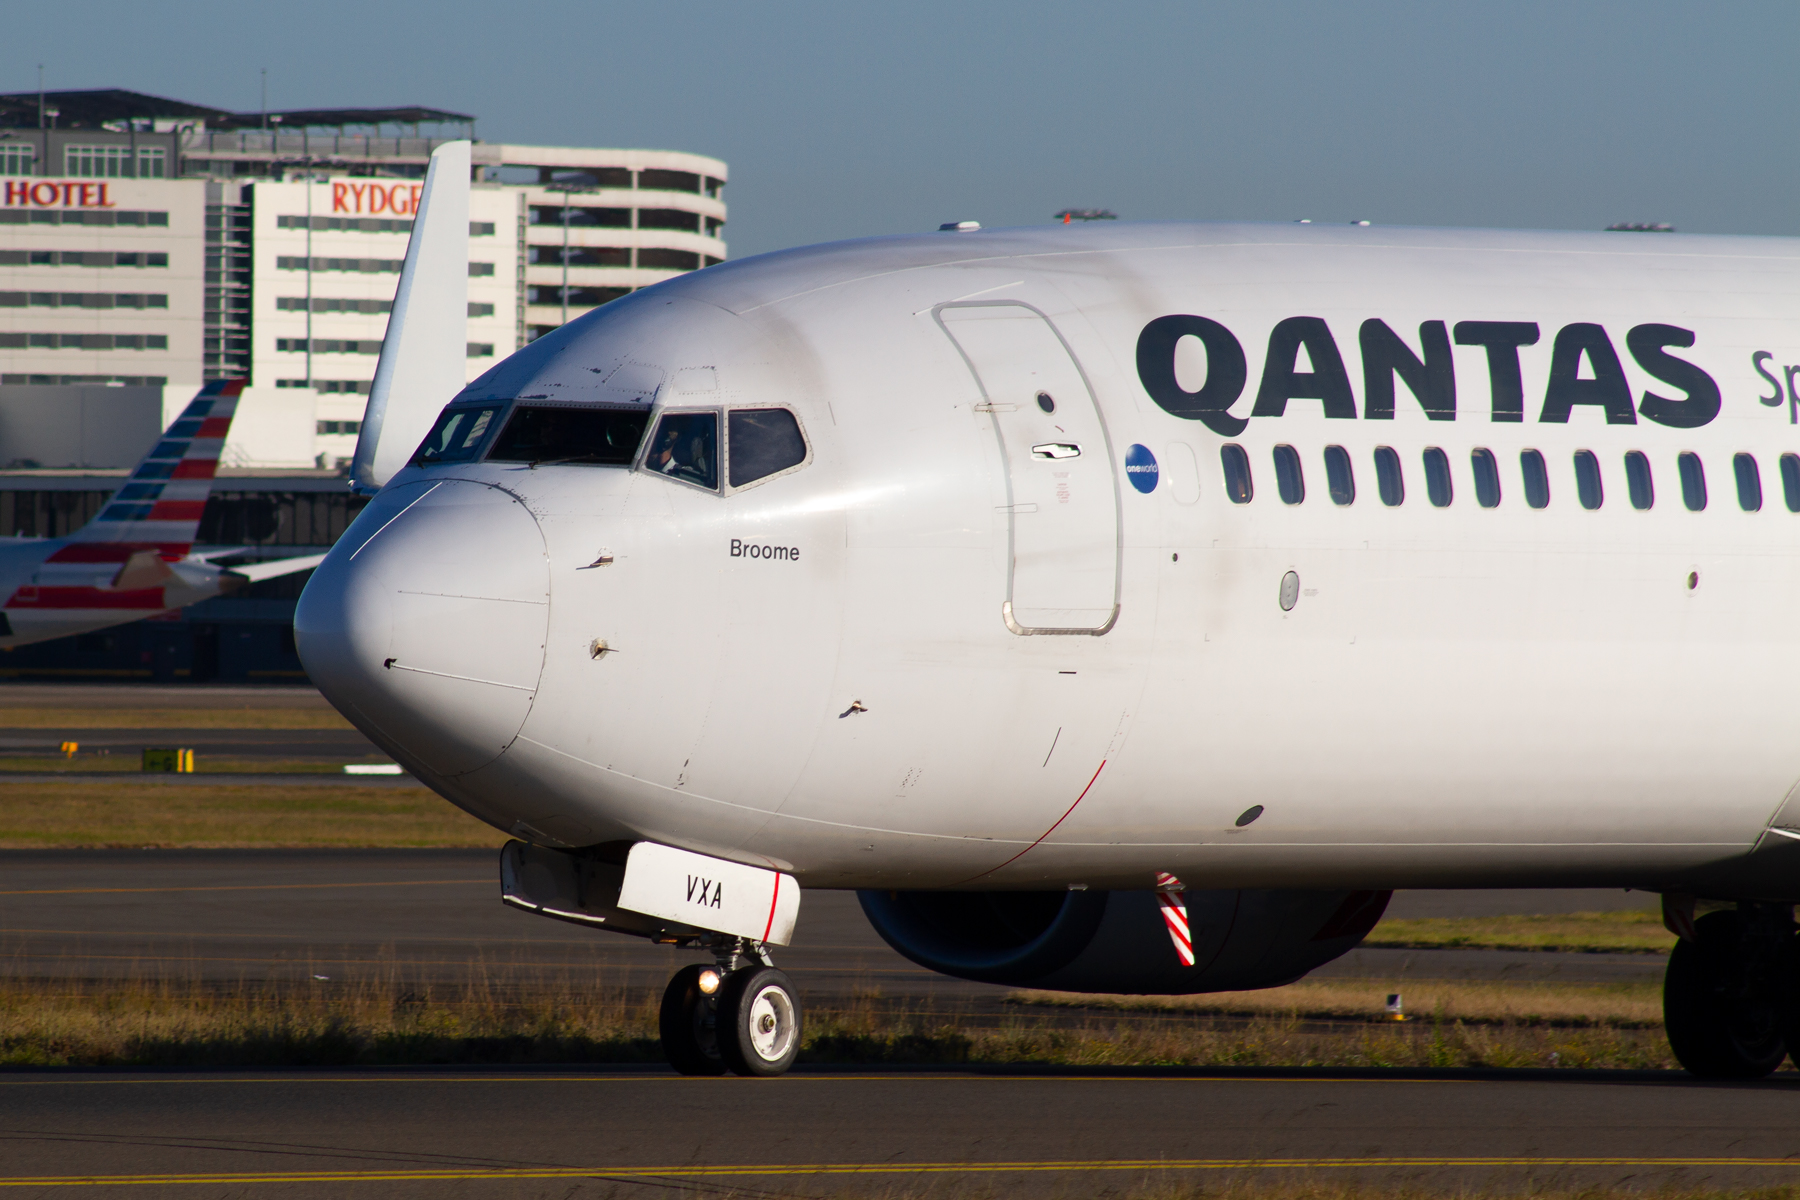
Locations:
(135, 559)
(1121, 609)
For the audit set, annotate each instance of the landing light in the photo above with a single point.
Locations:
(708, 981)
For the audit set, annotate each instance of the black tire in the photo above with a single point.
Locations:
(1788, 1004)
(688, 1023)
(1723, 1021)
(760, 1022)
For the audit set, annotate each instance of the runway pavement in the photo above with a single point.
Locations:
(435, 915)
(560, 1133)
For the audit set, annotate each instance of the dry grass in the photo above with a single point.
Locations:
(582, 1017)
(100, 813)
(127, 763)
(73, 719)
(1615, 1006)
(1590, 932)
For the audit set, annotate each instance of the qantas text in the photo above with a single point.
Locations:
(1430, 376)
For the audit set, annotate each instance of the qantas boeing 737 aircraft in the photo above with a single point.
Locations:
(1118, 610)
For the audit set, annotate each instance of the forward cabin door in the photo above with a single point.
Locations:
(1062, 491)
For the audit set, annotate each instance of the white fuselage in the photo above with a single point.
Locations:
(1459, 695)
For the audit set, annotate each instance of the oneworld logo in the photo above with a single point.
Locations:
(1141, 468)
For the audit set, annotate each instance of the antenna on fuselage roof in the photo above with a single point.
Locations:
(425, 356)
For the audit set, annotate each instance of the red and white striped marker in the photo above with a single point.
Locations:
(1169, 897)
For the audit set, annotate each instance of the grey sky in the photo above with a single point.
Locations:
(842, 119)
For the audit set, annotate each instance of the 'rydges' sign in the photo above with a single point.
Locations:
(369, 199)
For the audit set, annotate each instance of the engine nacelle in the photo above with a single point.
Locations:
(1095, 941)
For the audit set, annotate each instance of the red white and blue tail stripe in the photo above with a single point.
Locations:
(118, 566)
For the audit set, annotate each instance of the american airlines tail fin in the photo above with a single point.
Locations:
(158, 509)
(424, 361)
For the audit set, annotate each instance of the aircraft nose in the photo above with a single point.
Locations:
(426, 622)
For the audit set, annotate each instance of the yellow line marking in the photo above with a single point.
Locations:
(249, 887)
(886, 1168)
(601, 1075)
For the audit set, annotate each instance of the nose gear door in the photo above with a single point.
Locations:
(1062, 488)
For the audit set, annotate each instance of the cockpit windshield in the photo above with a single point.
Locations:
(546, 434)
(686, 447)
(457, 436)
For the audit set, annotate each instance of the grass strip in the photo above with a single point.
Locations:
(101, 813)
(72, 721)
(579, 1017)
(1526, 1005)
(1638, 932)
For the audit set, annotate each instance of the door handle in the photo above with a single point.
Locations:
(1056, 450)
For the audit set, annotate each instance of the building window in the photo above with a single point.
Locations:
(1437, 478)
(1749, 482)
(478, 270)
(480, 349)
(1587, 480)
(1388, 480)
(366, 266)
(18, 159)
(672, 260)
(1340, 480)
(1487, 478)
(1289, 482)
(477, 309)
(1790, 481)
(114, 162)
(358, 387)
(329, 346)
(83, 300)
(329, 304)
(340, 427)
(1537, 478)
(1236, 463)
(83, 341)
(1638, 483)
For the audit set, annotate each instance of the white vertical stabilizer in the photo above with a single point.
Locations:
(424, 359)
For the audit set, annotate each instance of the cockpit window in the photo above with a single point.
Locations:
(457, 436)
(545, 434)
(763, 442)
(686, 447)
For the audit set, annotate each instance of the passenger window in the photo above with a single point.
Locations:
(1638, 481)
(1587, 480)
(1437, 478)
(1340, 480)
(1537, 478)
(1693, 480)
(1288, 480)
(1749, 481)
(1487, 478)
(1237, 473)
(1790, 481)
(1388, 480)
(548, 434)
(686, 447)
(456, 437)
(762, 442)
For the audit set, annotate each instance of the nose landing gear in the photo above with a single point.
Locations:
(742, 1015)
(1731, 995)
